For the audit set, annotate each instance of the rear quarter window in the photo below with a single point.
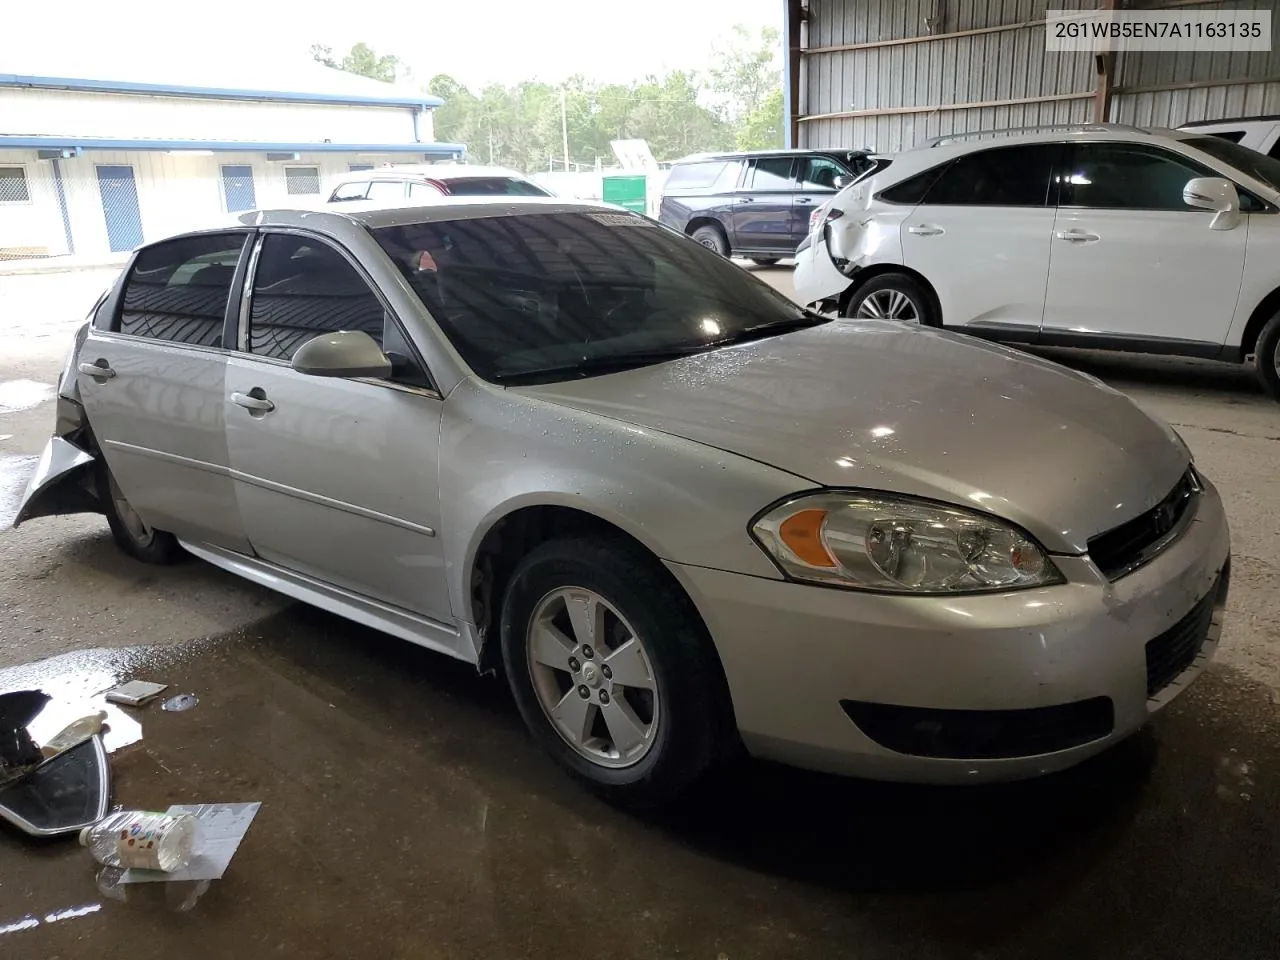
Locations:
(178, 290)
(703, 175)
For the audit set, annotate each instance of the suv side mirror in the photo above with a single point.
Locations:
(1217, 194)
(345, 353)
(843, 181)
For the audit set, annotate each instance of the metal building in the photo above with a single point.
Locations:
(888, 74)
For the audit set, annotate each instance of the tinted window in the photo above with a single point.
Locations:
(303, 288)
(1003, 177)
(697, 175)
(493, 187)
(1259, 166)
(553, 296)
(178, 290)
(819, 173)
(772, 173)
(350, 191)
(13, 185)
(1127, 176)
(912, 189)
(386, 190)
(302, 180)
(1234, 136)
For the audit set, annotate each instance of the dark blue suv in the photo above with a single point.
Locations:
(755, 204)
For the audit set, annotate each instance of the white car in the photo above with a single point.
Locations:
(1256, 133)
(1106, 237)
(427, 182)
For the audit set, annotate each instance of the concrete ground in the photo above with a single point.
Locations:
(406, 815)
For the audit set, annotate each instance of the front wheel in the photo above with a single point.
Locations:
(132, 534)
(611, 669)
(1267, 355)
(892, 296)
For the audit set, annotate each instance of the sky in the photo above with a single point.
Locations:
(476, 41)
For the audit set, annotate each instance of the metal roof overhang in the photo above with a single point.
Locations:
(79, 144)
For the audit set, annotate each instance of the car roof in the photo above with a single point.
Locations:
(1229, 122)
(339, 220)
(431, 171)
(744, 154)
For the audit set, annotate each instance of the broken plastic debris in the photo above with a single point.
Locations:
(183, 701)
(136, 693)
(143, 840)
(64, 794)
(74, 733)
(221, 827)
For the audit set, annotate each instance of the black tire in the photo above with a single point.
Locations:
(920, 300)
(713, 238)
(765, 261)
(139, 541)
(1267, 356)
(690, 699)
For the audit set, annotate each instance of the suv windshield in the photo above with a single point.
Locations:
(1257, 165)
(541, 297)
(493, 187)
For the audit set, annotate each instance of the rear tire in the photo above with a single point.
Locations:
(131, 533)
(892, 296)
(575, 606)
(713, 238)
(1267, 356)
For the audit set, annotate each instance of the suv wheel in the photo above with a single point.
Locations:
(611, 669)
(1267, 355)
(892, 296)
(713, 238)
(764, 261)
(132, 534)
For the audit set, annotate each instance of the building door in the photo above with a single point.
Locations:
(237, 187)
(119, 196)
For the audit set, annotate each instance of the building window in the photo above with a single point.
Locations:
(357, 167)
(13, 185)
(300, 180)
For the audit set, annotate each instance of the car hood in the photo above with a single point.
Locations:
(882, 406)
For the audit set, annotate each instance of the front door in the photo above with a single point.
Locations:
(981, 237)
(337, 479)
(1131, 259)
(152, 380)
(119, 196)
(762, 208)
(817, 184)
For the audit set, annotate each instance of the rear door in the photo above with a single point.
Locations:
(762, 210)
(152, 378)
(981, 237)
(337, 479)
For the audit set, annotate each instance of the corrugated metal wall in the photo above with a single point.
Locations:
(891, 97)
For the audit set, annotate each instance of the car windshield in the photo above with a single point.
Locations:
(493, 187)
(541, 297)
(1248, 161)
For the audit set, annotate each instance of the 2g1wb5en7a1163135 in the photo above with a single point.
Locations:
(1138, 30)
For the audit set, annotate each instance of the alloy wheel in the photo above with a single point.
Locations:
(592, 677)
(888, 305)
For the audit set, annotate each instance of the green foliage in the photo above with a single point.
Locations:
(361, 59)
(762, 130)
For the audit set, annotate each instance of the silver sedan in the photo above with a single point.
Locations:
(679, 513)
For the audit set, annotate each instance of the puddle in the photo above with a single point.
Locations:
(19, 395)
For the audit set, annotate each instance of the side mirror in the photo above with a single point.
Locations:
(1217, 194)
(346, 353)
(843, 181)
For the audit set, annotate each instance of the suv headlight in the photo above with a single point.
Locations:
(889, 544)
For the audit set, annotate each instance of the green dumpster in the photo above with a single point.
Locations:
(626, 192)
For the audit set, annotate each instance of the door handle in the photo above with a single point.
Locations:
(746, 199)
(251, 403)
(1076, 236)
(100, 371)
(926, 230)
(804, 199)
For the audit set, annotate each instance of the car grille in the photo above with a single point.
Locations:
(1177, 648)
(1125, 548)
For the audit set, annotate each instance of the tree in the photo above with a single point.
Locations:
(763, 129)
(363, 60)
(750, 71)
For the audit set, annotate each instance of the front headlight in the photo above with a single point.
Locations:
(890, 544)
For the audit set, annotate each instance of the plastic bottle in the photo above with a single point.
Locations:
(142, 840)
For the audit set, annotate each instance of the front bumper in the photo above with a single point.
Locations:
(796, 656)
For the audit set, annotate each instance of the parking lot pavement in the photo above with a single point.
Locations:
(406, 814)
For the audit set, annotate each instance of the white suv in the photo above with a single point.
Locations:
(1154, 241)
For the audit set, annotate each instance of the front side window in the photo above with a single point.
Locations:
(819, 173)
(1003, 177)
(1127, 176)
(772, 173)
(355, 190)
(178, 290)
(541, 297)
(13, 185)
(302, 288)
(302, 180)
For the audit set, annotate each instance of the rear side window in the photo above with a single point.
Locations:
(386, 190)
(422, 191)
(350, 191)
(303, 288)
(702, 175)
(912, 189)
(773, 173)
(178, 290)
(1018, 176)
